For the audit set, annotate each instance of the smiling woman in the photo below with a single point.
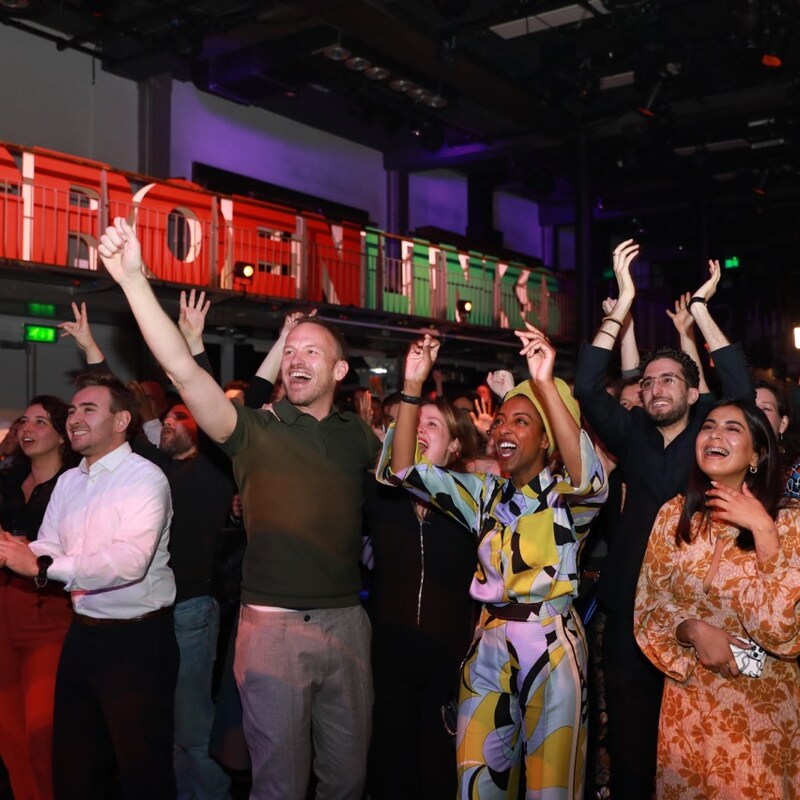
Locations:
(529, 527)
(721, 575)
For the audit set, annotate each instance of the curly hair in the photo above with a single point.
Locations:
(690, 370)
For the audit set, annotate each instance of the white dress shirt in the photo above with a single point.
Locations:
(107, 530)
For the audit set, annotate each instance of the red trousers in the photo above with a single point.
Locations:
(33, 624)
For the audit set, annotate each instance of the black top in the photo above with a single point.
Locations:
(422, 571)
(202, 488)
(654, 473)
(16, 516)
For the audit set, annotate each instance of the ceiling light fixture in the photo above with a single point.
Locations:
(357, 64)
(335, 52)
(376, 73)
(402, 85)
(419, 95)
(435, 101)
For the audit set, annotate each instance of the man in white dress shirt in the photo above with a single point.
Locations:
(105, 536)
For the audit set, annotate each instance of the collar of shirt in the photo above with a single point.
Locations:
(109, 462)
(289, 413)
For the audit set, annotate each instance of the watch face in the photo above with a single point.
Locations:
(43, 562)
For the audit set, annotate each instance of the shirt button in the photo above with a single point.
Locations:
(307, 617)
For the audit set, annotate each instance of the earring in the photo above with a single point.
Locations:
(753, 469)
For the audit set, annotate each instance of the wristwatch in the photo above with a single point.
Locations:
(43, 562)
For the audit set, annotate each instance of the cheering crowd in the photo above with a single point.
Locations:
(409, 617)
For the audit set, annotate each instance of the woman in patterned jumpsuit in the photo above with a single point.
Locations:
(522, 698)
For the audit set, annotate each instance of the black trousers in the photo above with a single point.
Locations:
(411, 755)
(113, 716)
(633, 701)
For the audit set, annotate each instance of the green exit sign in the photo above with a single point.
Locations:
(41, 333)
(42, 309)
(732, 263)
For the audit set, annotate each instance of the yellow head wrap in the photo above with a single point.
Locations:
(529, 389)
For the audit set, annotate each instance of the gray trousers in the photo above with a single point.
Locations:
(304, 676)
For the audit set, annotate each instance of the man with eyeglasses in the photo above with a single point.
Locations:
(654, 446)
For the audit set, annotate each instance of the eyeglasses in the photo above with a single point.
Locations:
(666, 380)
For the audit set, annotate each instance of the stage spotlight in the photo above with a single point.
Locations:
(463, 310)
(244, 270)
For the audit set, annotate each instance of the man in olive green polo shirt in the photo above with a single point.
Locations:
(302, 651)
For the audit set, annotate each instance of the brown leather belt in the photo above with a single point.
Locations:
(95, 622)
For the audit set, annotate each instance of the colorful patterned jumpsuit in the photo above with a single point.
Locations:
(522, 694)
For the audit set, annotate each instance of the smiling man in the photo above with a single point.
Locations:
(654, 446)
(105, 535)
(302, 650)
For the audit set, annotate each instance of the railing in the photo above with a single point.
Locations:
(295, 256)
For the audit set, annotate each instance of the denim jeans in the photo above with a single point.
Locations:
(198, 776)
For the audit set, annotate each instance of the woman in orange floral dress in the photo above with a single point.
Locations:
(723, 568)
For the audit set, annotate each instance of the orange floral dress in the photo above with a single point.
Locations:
(723, 738)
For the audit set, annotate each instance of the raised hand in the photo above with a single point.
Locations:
(707, 290)
(681, 318)
(623, 256)
(501, 382)
(364, 408)
(538, 351)
(609, 304)
(79, 330)
(292, 319)
(483, 416)
(420, 359)
(121, 252)
(192, 319)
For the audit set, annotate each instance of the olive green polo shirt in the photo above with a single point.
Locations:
(302, 487)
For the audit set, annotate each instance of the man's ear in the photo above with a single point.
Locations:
(692, 396)
(121, 420)
(340, 369)
(545, 441)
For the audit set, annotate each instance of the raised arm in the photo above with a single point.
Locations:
(270, 367)
(684, 324)
(541, 357)
(611, 326)
(419, 362)
(628, 349)
(121, 254)
(698, 308)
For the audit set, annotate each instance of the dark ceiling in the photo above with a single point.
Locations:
(671, 105)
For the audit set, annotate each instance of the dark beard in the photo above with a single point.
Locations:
(674, 415)
(174, 445)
